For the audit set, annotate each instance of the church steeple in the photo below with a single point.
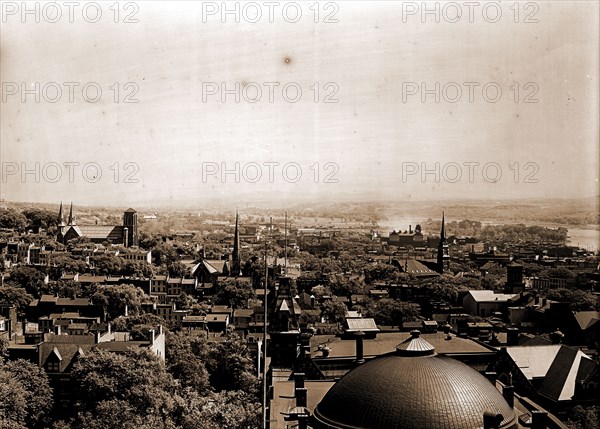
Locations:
(442, 253)
(71, 220)
(61, 220)
(236, 268)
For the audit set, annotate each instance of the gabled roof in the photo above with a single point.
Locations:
(558, 367)
(100, 232)
(213, 266)
(564, 373)
(490, 296)
(243, 312)
(416, 268)
(65, 353)
(587, 319)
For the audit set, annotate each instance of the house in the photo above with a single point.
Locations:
(49, 304)
(217, 322)
(137, 255)
(193, 323)
(242, 317)
(167, 311)
(209, 270)
(485, 303)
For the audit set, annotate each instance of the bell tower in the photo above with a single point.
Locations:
(130, 223)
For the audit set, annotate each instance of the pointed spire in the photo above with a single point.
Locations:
(61, 220)
(442, 254)
(443, 231)
(237, 263)
(71, 216)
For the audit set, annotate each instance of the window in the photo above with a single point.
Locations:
(53, 366)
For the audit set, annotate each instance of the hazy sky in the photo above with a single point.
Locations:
(374, 136)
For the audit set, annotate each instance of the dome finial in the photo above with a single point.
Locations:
(415, 346)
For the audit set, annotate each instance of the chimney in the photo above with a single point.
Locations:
(360, 359)
(491, 420)
(509, 395)
(152, 336)
(410, 229)
(512, 336)
(96, 337)
(538, 419)
(57, 329)
(126, 237)
(299, 379)
(299, 389)
(312, 300)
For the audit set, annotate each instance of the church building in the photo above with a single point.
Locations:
(126, 234)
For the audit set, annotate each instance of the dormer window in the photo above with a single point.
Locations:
(53, 366)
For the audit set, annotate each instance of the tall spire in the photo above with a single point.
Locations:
(442, 254)
(71, 216)
(443, 231)
(236, 269)
(61, 221)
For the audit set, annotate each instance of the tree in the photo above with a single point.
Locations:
(38, 218)
(579, 300)
(32, 400)
(114, 299)
(183, 361)
(107, 264)
(138, 325)
(137, 381)
(221, 410)
(137, 269)
(164, 254)
(389, 311)
(61, 263)
(231, 367)
(584, 417)
(16, 296)
(12, 219)
(178, 269)
(380, 272)
(334, 311)
(234, 293)
(31, 279)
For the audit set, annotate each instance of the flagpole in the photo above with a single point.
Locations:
(264, 368)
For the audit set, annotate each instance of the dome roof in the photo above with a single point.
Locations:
(410, 391)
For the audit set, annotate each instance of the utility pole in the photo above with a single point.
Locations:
(264, 368)
(285, 249)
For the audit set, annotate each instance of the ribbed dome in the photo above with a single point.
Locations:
(412, 392)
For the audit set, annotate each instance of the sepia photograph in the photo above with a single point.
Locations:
(313, 214)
